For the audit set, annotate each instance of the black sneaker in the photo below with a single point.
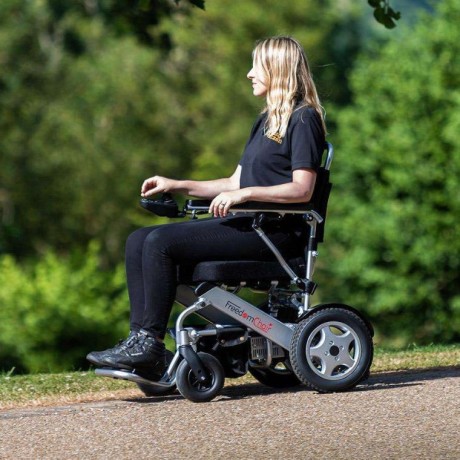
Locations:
(104, 358)
(146, 356)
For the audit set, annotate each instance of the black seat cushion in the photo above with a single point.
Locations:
(236, 271)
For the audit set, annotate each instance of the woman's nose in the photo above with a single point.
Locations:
(250, 74)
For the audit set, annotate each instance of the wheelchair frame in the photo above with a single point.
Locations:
(229, 314)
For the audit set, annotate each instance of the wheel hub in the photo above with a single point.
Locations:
(333, 350)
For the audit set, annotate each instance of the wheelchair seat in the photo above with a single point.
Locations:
(234, 272)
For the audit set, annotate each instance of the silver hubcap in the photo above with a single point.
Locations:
(333, 350)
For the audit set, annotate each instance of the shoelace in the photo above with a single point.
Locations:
(128, 342)
(144, 341)
(142, 337)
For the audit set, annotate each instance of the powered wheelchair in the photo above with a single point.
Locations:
(283, 342)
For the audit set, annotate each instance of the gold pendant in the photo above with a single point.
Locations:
(276, 137)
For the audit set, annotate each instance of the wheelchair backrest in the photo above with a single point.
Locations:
(322, 191)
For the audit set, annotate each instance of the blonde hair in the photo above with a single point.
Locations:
(283, 63)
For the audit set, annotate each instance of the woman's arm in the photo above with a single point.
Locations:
(300, 190)
(201, 189)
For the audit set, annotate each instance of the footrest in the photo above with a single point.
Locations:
(132, 377)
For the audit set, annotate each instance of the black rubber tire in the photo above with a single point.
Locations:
(150, 390)
(310, 368)
(195, 391)
(275, 378)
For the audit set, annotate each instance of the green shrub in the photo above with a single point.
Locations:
(394, 209)
(54, 310)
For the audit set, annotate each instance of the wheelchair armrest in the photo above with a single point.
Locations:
(279, 208)
(253, 206)
(166, 206)
(197, 206)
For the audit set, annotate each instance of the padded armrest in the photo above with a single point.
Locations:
(280, 208)
(197, 205)
(254, 206)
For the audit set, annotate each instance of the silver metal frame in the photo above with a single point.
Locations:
(248, 315)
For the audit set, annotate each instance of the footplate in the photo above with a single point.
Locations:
(127, 375)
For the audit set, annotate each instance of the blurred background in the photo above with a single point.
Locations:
(96, 95)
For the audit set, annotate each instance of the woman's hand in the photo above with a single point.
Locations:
(156, 184)
(224, 201)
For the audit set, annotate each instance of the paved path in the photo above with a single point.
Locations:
(408, 415)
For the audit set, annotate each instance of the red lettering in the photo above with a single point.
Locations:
(261, 325)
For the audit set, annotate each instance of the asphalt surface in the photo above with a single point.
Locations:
(404, 415)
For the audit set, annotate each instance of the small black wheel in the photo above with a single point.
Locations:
(331, 350)
(193, 390)
(150, 390)
(278, 375)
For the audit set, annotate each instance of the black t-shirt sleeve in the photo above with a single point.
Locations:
(306, 138)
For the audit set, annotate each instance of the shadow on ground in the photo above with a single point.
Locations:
(378, 381)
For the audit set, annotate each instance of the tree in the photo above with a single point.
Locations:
(79, 132)
(383, 12)
(392, 230)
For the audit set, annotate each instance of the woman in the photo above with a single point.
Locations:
(278, 165)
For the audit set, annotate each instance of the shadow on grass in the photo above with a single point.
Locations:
(407, 377)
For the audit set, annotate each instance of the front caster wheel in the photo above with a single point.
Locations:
(331, 350)
(194, 390)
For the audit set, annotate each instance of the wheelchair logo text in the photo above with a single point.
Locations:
(256, 322)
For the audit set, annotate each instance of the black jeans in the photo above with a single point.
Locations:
(153, 254)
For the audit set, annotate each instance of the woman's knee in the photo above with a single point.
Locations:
(135, 241)
(159, 240)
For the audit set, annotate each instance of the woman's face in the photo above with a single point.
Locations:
(257, 78)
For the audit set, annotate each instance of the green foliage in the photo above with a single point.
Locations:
(55, 311)
(198, 3)
(395, 207)
(79, 133)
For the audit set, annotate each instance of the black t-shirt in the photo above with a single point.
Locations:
(267, 162)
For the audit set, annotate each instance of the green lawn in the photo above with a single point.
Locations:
(72, 387)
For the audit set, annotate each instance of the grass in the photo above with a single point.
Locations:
(415, 357)
(64, 388)
(34, 390)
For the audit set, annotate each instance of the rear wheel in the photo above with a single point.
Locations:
(331, 350)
